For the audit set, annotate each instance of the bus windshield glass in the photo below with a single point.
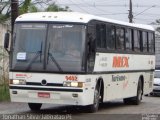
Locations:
(48, 47)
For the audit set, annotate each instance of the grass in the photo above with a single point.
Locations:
(4, 93)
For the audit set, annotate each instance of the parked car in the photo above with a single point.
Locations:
(156, 84)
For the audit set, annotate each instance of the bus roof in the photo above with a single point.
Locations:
(74, 17)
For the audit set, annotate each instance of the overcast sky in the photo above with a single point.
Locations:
(144, 11)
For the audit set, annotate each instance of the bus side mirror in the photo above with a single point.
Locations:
(6, 41)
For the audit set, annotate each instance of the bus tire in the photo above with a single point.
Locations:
(137, 99)
(127, 101)
(94, 107)
(35, 106)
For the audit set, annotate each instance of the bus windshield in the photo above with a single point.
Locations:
(48, 47)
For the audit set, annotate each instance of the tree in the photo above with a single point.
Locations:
(28, 6)
(54, 7)
(157, 23)
(4, 10)
(24, 7)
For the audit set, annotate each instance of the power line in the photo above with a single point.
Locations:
(112, 14)
(79, 7)
(94, 7)
(98, 5)
(147, 20)
(149, 14)
(88, 6)
(145, 10)
(144, 14)
(143, 19)
(110, 5)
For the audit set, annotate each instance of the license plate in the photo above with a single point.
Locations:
(43, 95)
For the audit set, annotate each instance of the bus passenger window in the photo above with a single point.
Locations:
(120, 38)
(128, 36)
(140, 40)
(136, 41)
(151, 42)
(110, 33)
(144, 37)
(101, 35)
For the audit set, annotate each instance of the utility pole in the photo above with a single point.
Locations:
(130, 16)
(14, 12)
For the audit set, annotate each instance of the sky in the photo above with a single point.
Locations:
(144, 11)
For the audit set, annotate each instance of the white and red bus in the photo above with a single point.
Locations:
(72, 58)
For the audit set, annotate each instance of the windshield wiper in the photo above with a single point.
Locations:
(38, 53)
(53, 59)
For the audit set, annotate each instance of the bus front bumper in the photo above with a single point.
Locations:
(62, 96)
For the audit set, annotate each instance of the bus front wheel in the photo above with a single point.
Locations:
(94, 107)
(35, 106)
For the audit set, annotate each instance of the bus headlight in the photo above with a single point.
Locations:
(72, 84)
(18, 82)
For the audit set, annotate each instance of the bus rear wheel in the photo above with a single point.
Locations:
(137, 99)
(35, 106)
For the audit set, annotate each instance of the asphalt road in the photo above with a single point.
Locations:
(149, 109)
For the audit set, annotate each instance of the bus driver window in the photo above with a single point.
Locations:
(73, 50)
